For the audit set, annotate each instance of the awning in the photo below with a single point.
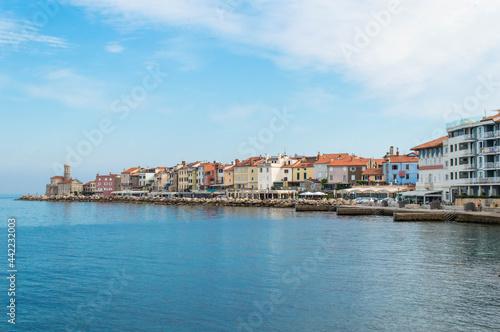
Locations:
(422, 193)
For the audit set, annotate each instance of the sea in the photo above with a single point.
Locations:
(126, 267)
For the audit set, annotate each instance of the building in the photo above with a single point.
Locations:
(69, 187)
(63, 185)
(89, 188)
(433, 168)
(320, 171)
(473, 159)
(126, 181)
(269, 171)
(229, 177)
(373, 176)
(106, 184)
(245, 173)
(313, 185)
(400, 169)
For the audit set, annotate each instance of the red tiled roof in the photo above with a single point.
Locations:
(229, 169)
(373, 171)
(67, 181)
(57, 177)
(402, 159)
(356, 161)
(88, 183)
(130, 170)
(431, 144)
(495, 118)
(326, 158)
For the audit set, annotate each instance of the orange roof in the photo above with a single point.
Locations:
(67, 181)
(495, 117)
(379, 161)
(303, 164)
(326, 158)
(253, 160)
(356, 161)
(133, 169)
(229, 169)
(402, 159)
(57, 177)
(88, 183)
(209, 167)
(432, 144)
(373, 171)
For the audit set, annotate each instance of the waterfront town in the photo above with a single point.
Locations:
(463, 164)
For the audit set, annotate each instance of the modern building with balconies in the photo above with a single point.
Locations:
(474, 156)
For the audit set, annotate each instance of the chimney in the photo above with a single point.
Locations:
(352, 158)
(183, 162)
(236, 161)
(391, 151)
(397, 151)
(279, 156)
(319, 155)
(267, 157)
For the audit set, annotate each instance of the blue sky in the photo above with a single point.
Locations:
(353, 76)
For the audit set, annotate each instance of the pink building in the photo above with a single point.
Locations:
(106, 184)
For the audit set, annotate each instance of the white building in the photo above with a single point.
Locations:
(433, 168)
(474, 156)
(270, 170)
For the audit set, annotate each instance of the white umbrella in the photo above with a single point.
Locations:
(319, 194)
(307, 193)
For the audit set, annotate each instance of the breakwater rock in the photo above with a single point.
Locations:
(275, 203)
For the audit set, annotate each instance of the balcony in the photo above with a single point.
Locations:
(491, 150)
(491, 165)
(467, 152)
(490, 135)
(469, 167)
(469, 137)
(490, 180)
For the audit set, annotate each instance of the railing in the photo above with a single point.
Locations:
(491, 149)
(490, 134)
(466, 152)
(469, 137)
(485, 180)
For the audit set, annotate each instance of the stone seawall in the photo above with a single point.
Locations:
(275, 203)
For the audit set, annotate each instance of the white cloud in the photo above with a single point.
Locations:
(19, 35)
(69, 89)
(114, 48)
(426, 55)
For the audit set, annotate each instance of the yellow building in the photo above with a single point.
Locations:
(302, 170)
(245, 173)
(229, 177)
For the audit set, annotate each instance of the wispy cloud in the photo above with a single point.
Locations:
(20, 35)
(70, 89)
(114, 47)
(425, 55)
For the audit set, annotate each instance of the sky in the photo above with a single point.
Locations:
(108, 85)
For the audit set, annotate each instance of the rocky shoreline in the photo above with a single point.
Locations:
(245, 202)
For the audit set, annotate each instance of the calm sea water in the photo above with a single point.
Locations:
(118, 267)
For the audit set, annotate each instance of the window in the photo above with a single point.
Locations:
(345, 169)
(394, 176)
(408, 166)
(451, 162)
(353, 177)
(394, 167)
(286, 171)
(238, 178)
(252, 178)
(298, 176)
(331, 177)
(407, 176)
(451, 175)
(285, 179)
(378, 177)
(261, 170)
(305, 176)
(267, 170)
(252, 172)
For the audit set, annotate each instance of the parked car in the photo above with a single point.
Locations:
(364, 200)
